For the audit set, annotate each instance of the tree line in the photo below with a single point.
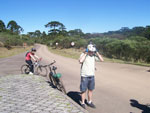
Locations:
(126, 44)
(11, 27)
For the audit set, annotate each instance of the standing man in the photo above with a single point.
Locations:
(87, 60)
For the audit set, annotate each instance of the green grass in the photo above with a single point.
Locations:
(75, 54)
(4, 52)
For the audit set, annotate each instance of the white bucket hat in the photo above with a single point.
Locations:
(91, 48)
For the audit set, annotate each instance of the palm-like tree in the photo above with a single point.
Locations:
(2, 26)
(14, 27)
(55, 27)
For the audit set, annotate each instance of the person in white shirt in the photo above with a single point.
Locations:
(87, 61)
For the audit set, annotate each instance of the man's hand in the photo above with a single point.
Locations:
(82, 58)
(99, 56)
(86, 50)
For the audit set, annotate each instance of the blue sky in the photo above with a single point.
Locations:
(91, 16)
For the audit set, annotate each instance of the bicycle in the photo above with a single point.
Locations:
(55, 78)
(38, 69)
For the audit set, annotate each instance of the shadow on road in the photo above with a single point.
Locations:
(50, 84)
(148, 70)
(144, 108)
(75, 96)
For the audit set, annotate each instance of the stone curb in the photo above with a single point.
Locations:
(32, 94)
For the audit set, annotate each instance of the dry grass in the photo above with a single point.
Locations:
(71, 53)
(75, 54)
(4, 52)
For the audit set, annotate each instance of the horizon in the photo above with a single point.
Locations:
(89, 16)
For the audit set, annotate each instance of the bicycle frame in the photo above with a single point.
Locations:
(36, 64)
(52, 71)
(38, 68)
(57, 82)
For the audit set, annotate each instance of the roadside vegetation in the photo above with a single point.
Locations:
(75, 54)
(124, 45)
(70, 53)
(4, 52)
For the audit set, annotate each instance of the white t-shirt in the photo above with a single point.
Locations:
(88, 66)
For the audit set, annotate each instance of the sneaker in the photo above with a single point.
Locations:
(83, 105)
(30, 73)
(91, 105)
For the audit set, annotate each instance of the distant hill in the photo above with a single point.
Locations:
(123, 33)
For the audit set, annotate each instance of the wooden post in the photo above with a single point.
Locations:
(24, 45)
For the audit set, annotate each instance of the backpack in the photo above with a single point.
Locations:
(27, 53)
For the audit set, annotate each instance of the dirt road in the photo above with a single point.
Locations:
(11, 65)
(116, 84)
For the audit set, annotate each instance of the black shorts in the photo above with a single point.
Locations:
(87, 83)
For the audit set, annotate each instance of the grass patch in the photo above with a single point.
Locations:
(70, 53)
(125, 62)
(75, 54)
(4, 52)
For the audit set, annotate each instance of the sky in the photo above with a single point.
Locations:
(91, 16)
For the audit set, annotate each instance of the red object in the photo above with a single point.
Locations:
(28, 57)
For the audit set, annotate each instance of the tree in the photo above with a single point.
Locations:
(37, 33)
(75, 32)
(30, 34)
(138, 31)
(2, 26)
(55, 27)
(147, 32)
(124, 29)
(44, 34)
(14, 27)
(62, 27)
(62, 30)
(20, 29)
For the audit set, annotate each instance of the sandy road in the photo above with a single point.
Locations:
(116, 84)
(11, 65)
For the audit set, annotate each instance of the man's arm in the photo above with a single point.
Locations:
(82, 57)
(100, 57)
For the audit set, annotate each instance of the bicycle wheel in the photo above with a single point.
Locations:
(60, 85)
(42, 70)
(52, 79)
(25, 69)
